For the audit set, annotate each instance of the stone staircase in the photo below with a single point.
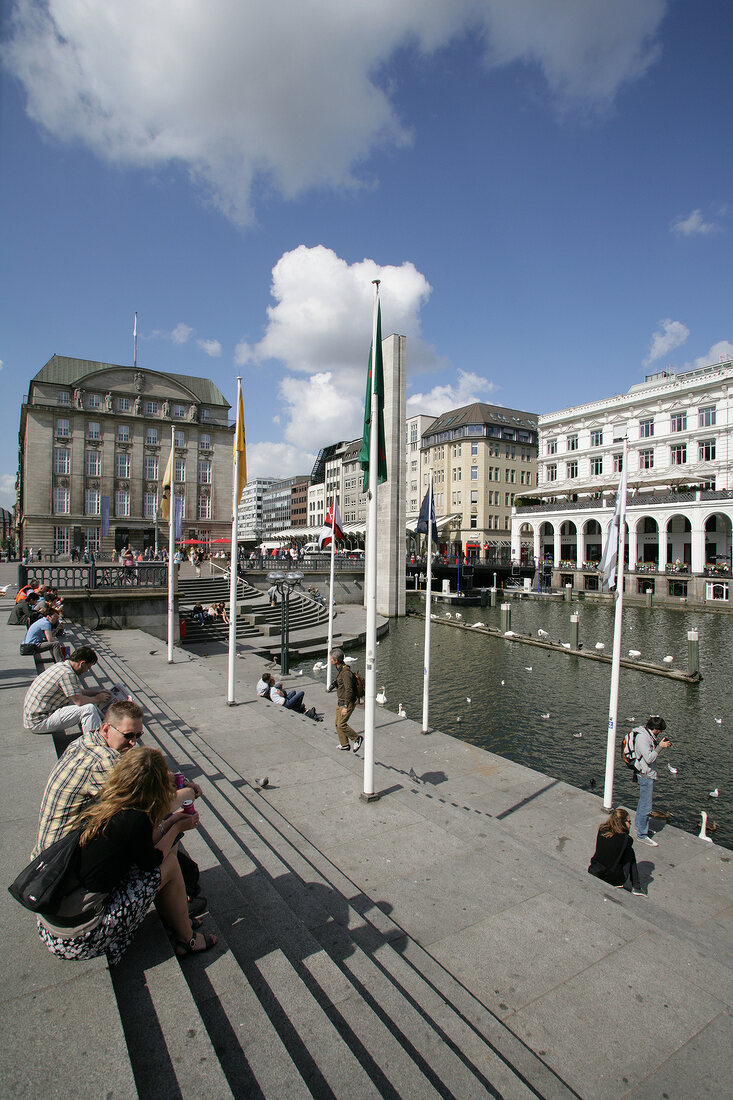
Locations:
(312, 990)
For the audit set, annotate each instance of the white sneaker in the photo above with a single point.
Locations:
(649, 840)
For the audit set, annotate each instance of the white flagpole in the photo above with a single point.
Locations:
(370, 675)
(234, 556)
(428, 606)
(171, 546)
(329, 666)
(134, 342)
(617, 629)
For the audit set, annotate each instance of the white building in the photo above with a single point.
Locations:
(249, 513)
(680, 486)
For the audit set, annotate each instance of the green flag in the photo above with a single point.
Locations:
(379, 393)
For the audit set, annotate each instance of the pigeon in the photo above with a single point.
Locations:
(401, 712)
(414, 776)
(715, 793)
(381, 697)
(671, 769)
(264, 782)
(542, 634)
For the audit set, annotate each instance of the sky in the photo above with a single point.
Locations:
(544, 191)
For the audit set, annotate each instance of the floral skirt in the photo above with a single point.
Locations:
(123, 913)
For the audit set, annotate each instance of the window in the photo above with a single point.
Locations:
(552, 446)
(678, 422)
(551, 471)
(706, 417)
(123, 404)
(618, 463)
(179, 439)
(93, 431)
(180, 474)
(93, 400)
(205, 476)
(205, 441)
(474, 448)
(596, 438)
(474, 496)
(61, 500)
(204, 507)
(122, 466)
(61, 460)
(474, 473)
(596, 467)
(572, 442)
(206, 414)
(92, 464)
(62, 427)
(151, 437)
(123, 433)
(571, 469)
(91, 502)
(646, 428)
(63, 397)
(151, 409)
(473, 522)
(150, 505)
(179, 411)
(61, 541)
(706, 450)
(122, 502)
(646, 459)
(678, 454)
(150, 468)
(511, 476)
(92, 538)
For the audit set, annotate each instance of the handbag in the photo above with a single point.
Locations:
(43, 884)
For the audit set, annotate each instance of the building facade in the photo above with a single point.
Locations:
(249, 515)
(94, 442)
(680, 480)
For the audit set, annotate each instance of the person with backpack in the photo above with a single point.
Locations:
(647, 746)
(346, 699)
(614, 860)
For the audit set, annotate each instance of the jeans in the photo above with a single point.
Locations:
(644, 805)
(294, 700)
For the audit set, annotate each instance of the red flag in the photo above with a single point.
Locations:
(332, 524)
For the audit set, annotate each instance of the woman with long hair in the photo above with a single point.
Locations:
(126, 859)
(614, 860)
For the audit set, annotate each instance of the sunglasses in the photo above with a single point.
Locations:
(129, 735)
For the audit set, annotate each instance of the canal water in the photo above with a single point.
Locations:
(513, 687)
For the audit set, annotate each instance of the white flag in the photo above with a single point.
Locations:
(610, 553)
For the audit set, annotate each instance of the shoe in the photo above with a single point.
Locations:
(197, 906)
(358, 742)
(618, 887)
(345, 748)
(649, 840)
(638, 892)
(188, 947)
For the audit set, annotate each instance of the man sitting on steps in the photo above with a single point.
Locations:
(56, 699)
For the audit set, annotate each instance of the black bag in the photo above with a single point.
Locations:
(48, 878)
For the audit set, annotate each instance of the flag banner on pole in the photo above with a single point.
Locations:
(331, 526)
(179, 516)
(375, 357)
(165, 498)
(609, 560)
(427, 515)
(240, 448)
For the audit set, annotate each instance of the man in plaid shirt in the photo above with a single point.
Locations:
(56, 699)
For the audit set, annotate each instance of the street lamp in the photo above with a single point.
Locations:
(285, 583)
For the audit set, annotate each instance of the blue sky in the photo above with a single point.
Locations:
(544, 190)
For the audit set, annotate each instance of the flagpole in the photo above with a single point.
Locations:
(370, 676)
(134, 343)
(428, 605)
(617, 630)
(234, 556)
(171, 546)
(330, 594)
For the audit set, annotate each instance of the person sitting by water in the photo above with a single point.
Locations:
(614, 860)
(266, 681)
(221, 612)
(56, 699)
(197, 612)
(42, 635)
(126, 859)
(291, 700)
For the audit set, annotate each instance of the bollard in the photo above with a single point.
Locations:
(648, 592)
(493, 597)
(568, 593)
(446, 586)
(693, 652)
(574, 630)
(484, 597)
(506, 617)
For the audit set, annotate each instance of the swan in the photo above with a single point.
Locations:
(381, 697)
(401, 712)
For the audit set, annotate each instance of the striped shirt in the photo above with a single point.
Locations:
(77, 777)
(49, 691)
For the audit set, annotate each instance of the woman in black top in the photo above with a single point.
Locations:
(126, 860)
(614, 860)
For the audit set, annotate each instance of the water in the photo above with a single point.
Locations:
(507, 719)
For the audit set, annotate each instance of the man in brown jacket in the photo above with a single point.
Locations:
(346, 701)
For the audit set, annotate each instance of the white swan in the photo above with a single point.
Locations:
(381, 697)
(401, 712)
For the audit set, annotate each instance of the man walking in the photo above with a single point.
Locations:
(56, 699)
(646, 748)
(345, 702)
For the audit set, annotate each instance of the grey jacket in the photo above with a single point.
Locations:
(645, 748)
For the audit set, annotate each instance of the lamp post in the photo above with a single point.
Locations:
(285, 583)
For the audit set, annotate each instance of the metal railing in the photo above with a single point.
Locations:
(79, 576)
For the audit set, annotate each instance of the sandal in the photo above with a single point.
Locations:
(188, 947)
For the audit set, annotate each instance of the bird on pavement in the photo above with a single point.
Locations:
(414, 776)
(264, 782)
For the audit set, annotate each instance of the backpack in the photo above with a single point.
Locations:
(359, 685)
(628, 748)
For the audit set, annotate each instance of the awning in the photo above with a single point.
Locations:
(354, 528)
(441, 522)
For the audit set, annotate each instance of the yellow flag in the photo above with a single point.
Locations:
(239, 447)
(167, 487)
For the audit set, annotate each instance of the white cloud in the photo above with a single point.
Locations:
(211, 347)
(468, 388)
(671, 335)
(277, 459)
(693, 225)
(203, 86)
(1, 364)
(718, 353)
(181, 333)
(7, 491)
